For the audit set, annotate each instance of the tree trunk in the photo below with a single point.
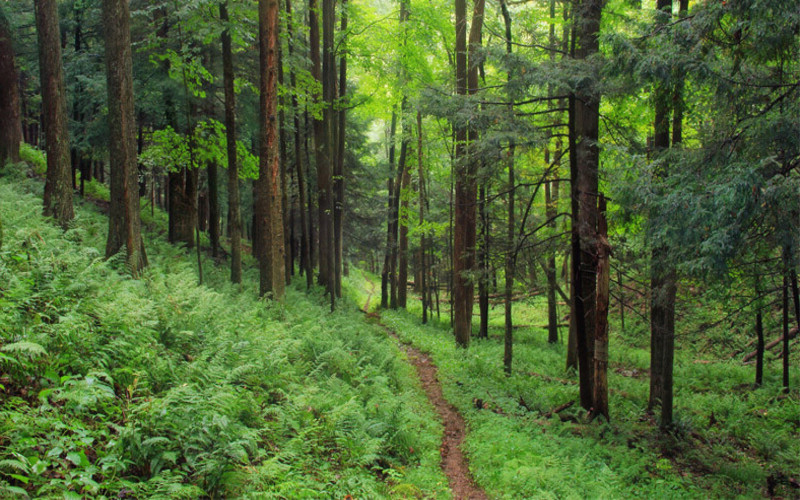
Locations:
(663, 281)
(338, 173)
(124, 220)
(402, 222)
(511, 245)
(483, 261)
(58, 183)
(759, 349)
(585, 111)
(272, 263)
(286, 213)
(182, 206)
(305, 236)
(465, 182)
(386, 280)
(423, 269)
(600, 389)
(11, 125)
(234, 203)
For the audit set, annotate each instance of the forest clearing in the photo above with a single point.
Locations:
(399, 249)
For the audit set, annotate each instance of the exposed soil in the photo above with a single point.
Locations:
(454, 463)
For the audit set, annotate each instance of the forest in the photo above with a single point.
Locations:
(399, 249)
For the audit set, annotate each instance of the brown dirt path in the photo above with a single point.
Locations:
(454, 463)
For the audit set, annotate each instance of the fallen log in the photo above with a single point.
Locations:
(559, 409)
(792, 334)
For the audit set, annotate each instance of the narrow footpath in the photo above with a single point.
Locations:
(454, 463)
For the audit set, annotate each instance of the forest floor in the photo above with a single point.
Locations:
(454, 463)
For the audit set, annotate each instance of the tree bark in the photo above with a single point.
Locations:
(585, 107)
(338, 174)
(11, 125)
(422, 260)
(387, 282)
(663, 280)
(402, 222)
(483, 261)
(234, 203)
(271, 264)
(465, 177)
(124, 220)
(305, 238)
(759, 349)
(58, 182)
(600, 389)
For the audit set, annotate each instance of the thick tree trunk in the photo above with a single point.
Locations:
(58, 182)
(11, 124)
(182, 206)
(124, 220)
(465, 177)
(272, 263)
(585, 111)
(234, 203)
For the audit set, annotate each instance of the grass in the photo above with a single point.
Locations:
(516, 452)
(160, 388)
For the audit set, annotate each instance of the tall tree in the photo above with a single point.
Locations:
(465, 175)
(234, 215)
(584, 163)
(11, 125)
(58, 182)
(271, 264)
(662, 280)
(338, 170)
(124, 221)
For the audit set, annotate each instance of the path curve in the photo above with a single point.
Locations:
(454, 463)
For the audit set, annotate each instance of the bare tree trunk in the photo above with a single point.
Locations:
(11, 125)
(585, 107)
(58, 182)
(483, 262)
(338, 174)
(402, 255)
(320, 147)
(386, 279)
(234, 214)
(465, 182)
(124, 221)
(759, 349)
(600, 389)
(272, 264)
(423, 269)
(306, 263)
(511, 245)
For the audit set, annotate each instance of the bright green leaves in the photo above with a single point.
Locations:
(170, 150)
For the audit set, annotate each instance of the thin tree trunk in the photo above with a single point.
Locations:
(600, 389)
(58, 183)
(402, 255)
(11, 125)
(483, 261)
(306, 263)
(663, 281)
(288, 261)
(386, 279)
(423, 269)
(338, 174)
(759, 349)
(234, 215)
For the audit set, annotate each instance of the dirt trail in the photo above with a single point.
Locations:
(454, 463)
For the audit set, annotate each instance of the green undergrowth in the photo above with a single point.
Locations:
(160, 388)
(728, 440)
